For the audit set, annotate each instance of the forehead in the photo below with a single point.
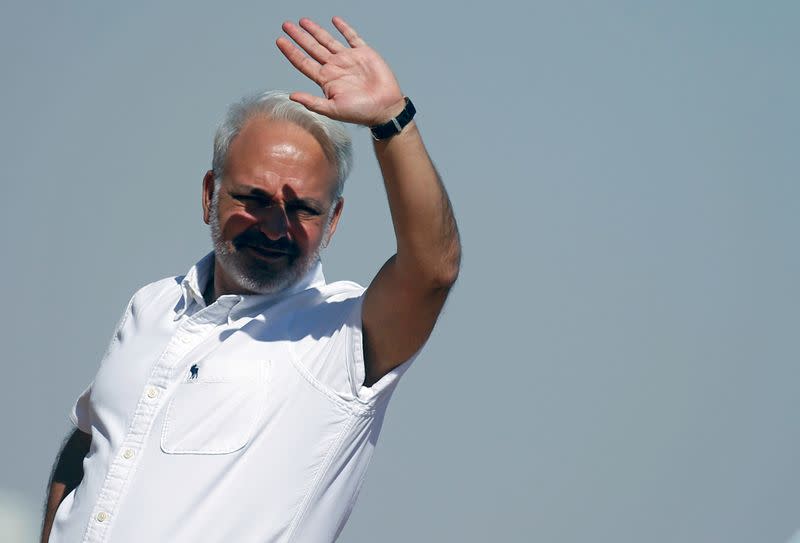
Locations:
(271, 154)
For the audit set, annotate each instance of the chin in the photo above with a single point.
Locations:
(258, 277)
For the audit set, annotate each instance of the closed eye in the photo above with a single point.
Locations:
(303, 210)
(300, 209)
(248, 198)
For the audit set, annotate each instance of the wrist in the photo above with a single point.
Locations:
(395, 125)
(391, 112)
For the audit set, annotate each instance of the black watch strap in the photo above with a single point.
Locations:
(396, 125)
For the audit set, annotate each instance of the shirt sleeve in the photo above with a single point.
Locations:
(81, 414)
(327, 340)
(384, 387)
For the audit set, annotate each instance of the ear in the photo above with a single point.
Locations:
(208, 193)
(334, 221)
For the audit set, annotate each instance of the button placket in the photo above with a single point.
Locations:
(185, 338)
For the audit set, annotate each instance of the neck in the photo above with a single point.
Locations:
(210, 292)
(218, 285)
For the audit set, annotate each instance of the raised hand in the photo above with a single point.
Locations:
(358, 85)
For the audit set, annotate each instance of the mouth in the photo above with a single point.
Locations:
(265, 253)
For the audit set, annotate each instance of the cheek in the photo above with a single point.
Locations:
(305, 234)
(235, 223)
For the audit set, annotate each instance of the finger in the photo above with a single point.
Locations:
(305, 40)
(349, 34)
(307, 66)
(316, 104)
(321, 35)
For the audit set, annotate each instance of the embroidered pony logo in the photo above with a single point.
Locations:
(193, 372)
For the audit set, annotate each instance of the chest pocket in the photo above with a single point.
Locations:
(215, 410)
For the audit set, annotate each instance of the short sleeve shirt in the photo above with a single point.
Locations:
(245, 420)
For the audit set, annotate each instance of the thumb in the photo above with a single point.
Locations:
(323, 106)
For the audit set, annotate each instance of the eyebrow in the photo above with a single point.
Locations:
(255, 191)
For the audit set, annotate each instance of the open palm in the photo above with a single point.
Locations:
(358, 85)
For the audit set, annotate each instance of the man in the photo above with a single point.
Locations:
(242, 401)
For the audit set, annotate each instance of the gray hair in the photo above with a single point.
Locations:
(331, 135)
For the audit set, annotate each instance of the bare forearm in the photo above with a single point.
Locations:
(428, 245)
(67, 475)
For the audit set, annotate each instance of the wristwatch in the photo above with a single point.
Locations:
(396, 125)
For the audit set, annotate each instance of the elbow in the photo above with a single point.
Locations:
(448, 269)
(448, 275)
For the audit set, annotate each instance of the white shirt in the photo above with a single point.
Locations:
(242, 421)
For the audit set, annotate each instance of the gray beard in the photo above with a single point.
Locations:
(247, 274)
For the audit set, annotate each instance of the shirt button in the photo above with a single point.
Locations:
(102, 516)
(152, 392)
(128, 454)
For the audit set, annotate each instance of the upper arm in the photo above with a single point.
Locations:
(80, 415)
(69, 468)
(398, 315)
(79, 442)
(67, 475)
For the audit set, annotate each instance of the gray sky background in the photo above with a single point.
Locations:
(619, 359)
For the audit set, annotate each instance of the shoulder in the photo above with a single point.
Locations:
(166, 287)
(340, 290)
(327, 307)
(160, 287)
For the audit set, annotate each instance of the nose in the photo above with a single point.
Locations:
(274, 222)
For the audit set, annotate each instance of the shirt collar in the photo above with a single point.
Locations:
(195, 281)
